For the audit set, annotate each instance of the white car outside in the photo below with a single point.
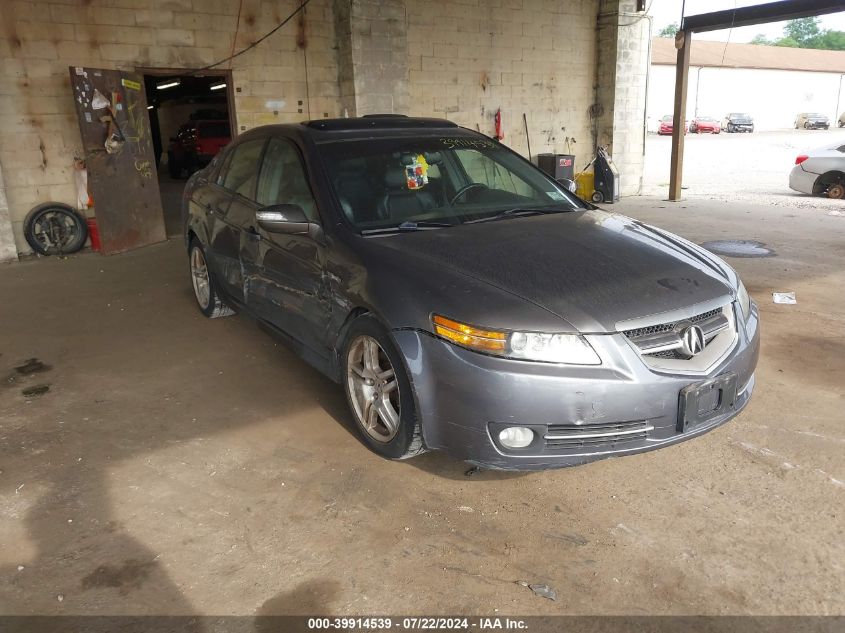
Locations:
(820, 172)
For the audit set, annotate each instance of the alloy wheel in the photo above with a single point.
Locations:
(373, 389)
(200, 278)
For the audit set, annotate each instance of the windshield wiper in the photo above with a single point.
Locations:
(409, 225)
(516, 211)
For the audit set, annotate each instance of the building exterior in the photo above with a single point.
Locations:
(772, 83)
(576, 69)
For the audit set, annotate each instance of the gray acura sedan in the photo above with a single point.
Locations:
(464, 300)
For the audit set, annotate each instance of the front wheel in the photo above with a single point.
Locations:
(205, 288)
(379, 391)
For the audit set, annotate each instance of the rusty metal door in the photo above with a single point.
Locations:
(112, 110)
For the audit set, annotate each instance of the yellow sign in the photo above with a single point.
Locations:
(128, 83)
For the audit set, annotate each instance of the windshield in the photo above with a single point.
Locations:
(740, 115)
(432, 182)
(706, 118)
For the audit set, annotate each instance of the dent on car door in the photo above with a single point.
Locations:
(238, 178)
(287, 285)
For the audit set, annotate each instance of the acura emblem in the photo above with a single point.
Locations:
(692, 340)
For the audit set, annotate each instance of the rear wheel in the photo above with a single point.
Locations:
(837, 191)
(597, 197)
(379, 392)
(205, 288)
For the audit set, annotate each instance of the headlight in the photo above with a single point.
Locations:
(744, 300)
(570, 349)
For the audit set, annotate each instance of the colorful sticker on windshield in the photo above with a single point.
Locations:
(555, 195)
(416, 174)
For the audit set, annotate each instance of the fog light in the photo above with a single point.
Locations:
(516, 436)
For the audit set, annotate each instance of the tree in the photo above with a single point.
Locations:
(670, 30)
(804, 31)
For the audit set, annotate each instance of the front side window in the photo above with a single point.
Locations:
(241, 171)
(382, 183)
(283, 179)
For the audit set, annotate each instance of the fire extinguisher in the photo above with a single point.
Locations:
(500, 132)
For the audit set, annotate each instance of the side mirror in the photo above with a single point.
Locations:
(568, 184)
(289, 219)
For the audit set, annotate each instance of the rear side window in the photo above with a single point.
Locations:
(283, 179)
(215, 130)
(241, 171)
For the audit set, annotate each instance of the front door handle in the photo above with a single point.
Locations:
(253, 233)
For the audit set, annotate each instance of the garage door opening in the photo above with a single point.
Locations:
(190, 122)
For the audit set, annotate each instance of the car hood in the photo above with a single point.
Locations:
(739, 119)
(593, 269)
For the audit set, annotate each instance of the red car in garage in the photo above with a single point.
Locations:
(666, 124)
(705, 124)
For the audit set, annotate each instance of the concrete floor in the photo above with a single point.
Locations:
(178, 465)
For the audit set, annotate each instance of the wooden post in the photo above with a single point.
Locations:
(676, 169)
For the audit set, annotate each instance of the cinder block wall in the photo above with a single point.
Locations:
(39, 134)
(459, 59)
(468, 58)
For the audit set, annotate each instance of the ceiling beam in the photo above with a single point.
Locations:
(759, 14)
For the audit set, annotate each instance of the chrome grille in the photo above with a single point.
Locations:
(669, 327)
(664, 339)
(608, 435)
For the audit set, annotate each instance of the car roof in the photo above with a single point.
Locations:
(370, 126)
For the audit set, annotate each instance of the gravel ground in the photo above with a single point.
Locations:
(752, 168)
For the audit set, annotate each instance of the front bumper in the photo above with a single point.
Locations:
(802, 180)
(816, 125)
(742, 127)
(464, 397)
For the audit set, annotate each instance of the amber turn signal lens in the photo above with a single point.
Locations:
(490, 341)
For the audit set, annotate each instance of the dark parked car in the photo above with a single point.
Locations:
(465, 300)
(812, 121)
(195, 144)
(738, 122)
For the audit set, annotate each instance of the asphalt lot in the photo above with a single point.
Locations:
(738, 167)
(177, 465)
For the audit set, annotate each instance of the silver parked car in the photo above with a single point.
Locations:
(464, 300)
(820, 172)
(812, 121)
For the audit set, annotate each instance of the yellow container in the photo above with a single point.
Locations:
(586, 184)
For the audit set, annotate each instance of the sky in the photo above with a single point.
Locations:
(669, 11)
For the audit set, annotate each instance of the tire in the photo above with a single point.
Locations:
(207, 295)
(363, 383)
(597, 197)
(836, 191)
(54, 228)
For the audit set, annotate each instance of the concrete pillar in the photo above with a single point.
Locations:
(622, 64)
(8, 251)
(372, 56)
